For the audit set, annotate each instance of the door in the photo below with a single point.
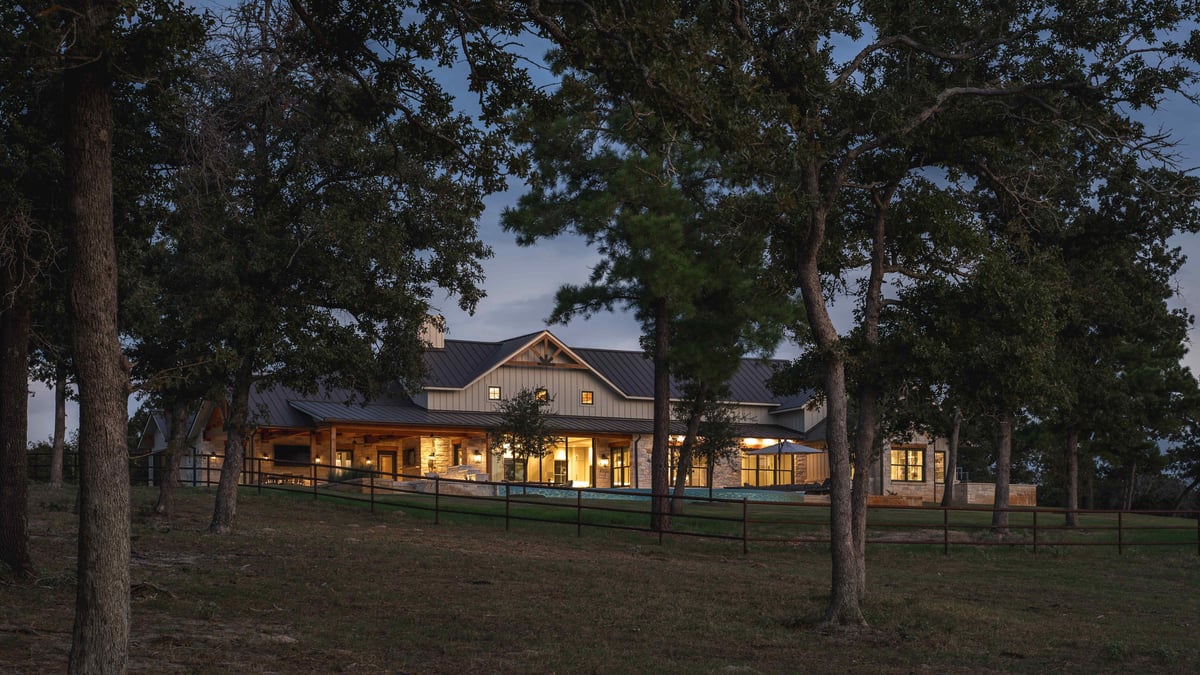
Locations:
(387, 464)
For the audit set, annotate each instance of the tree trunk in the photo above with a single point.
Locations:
(100, 640)
(14, 409)
(864, 453)
(1003, 472)
(660, 484)
(844, 607)
(236, 426)
(168, 481)
(683, 466)
(868, 392)
(1132, 482)
(952, 459)
(58, 447)
(1073, 478)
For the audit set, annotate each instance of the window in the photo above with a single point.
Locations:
(456, 454)
(541, 394)
(939, 467)
(493, 393)
(292, 455)
(344, 458)
(697, 476)
(514, 470)
(908, 464)
(620, 466)
(560, 471)
(760, 470)
(586, 398)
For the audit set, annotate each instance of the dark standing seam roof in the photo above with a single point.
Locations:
(462, 361)
(323, 411)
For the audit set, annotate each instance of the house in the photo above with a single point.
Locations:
(602, 407)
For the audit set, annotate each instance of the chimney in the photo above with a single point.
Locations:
(433, 331)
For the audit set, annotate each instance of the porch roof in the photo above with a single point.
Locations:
(413, 415)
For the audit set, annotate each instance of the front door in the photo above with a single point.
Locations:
(387, 464)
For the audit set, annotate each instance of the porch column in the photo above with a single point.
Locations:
(332, 446)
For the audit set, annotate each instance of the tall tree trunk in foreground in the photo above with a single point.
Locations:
(952, 458)
(100, 640)
(867, 426)
(59, 445)
(236, 425)
(168, 480)
(844, 607)
(1003, 473)
(1073, 478)
(660, 478)
(14, 407)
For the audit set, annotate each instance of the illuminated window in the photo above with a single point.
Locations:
(908, 464)
(586, 398)
(939, 467)
(620, 466)
(493, 393)
(541, 394)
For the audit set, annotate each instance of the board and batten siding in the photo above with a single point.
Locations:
(563, 384)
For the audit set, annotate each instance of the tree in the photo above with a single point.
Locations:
(326, 194)
(652, 203)
(711, 435)
(524, 432)
(30, 208)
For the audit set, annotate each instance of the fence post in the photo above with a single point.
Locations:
(207, 470)
(745, 528)
(313, 472)
(259, 472)
(578, 512)
(507, 499)
(1120, 532)
(945, 530)
(195, 467)
(373, 492)
(437, 499)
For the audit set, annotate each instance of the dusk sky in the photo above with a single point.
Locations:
(521, 281)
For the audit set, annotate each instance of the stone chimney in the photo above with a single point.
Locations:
(433, 331)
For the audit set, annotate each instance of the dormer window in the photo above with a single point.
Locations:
(586, 398)
(541, 394)
(493, 393)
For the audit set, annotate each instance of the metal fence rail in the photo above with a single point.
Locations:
(744, 520)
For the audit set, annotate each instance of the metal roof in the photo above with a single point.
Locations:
(413, 415)
(461, 362)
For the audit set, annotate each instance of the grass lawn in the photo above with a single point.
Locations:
(320, 586)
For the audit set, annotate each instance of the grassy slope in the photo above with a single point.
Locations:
(319, 587)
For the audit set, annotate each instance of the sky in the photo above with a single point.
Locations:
(521, 281)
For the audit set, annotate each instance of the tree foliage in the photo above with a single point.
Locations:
(524, 431)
